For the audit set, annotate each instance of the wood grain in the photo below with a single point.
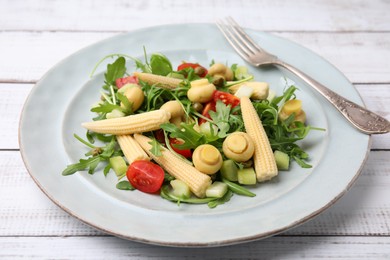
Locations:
(120, 15)
(286, 247)
(25, 211)
(362, 57)
(36, 34)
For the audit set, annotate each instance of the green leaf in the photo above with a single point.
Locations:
(93, 164)
(128, 106)
(221, 118)
(143, 67)
(220, 201)
(156, 147)
(83, 164)
(160, 64)
(107, 169)
(105, 108)
(187, 133)
(115, 70)
(109, 149)
(238, 189)
(124, 185)
(165, 192)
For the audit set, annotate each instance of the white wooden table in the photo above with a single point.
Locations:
(35, 35)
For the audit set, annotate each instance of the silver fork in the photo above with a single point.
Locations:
(363, 119)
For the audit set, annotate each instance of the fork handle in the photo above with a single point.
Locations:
(363, 119)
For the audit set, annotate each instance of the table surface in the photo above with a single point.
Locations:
(34, 35)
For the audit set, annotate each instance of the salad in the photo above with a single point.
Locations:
(193, 134)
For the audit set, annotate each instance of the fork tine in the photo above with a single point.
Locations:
(244, 37)
(233, 41)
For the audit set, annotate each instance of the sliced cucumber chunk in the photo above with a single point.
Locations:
(115, 113)
(282, 160)
(175, 75)
(119, 166)
(216, 190)
(180, 189)
(241, 72)
(229, 170)
(247, 176)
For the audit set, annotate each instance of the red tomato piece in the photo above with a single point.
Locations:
(187, 153)
(194, 66)
(211, 106)
(145, 176)
(226, 98)
(123, 81)
(159, 135)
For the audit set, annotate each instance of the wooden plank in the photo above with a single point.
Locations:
(12, 97)
(278, 15)
(272, 248)
(362, 57)
(26, 211)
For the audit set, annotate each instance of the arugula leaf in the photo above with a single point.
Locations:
(165, 193)
(225, 198)
(160, 64)
(238, 189)
(187, 133)
(105, 108)
(124, 185)
(156, 147)
(127, 105)
(83, 164)
(115, 70)
(97, 155)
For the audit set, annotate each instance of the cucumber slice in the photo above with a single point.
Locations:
(229, 170)
(282, 160)
(247, 176)
(271, 95)
(115, 113)
(119, 166)
(208, 129)
(175, 75)
(180, 189)
(216, 190)
(244, 90)
(241, 72)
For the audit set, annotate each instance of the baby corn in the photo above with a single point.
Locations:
(197, 181)
(131, 149)
(138, 123)
(263, 158)
(160, 81)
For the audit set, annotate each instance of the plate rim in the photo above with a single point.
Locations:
(187, 244)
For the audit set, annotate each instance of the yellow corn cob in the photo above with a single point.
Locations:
(138, 123)
(197, 181)
(131, 149)
(160, 81)
(263, 158)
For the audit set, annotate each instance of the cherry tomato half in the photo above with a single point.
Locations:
(187, 153)
(145, 176)
(123, 81)
(159, 135)
(226, 98)
(194, 66)
(211, 106)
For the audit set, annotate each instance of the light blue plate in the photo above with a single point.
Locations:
(60, 101)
